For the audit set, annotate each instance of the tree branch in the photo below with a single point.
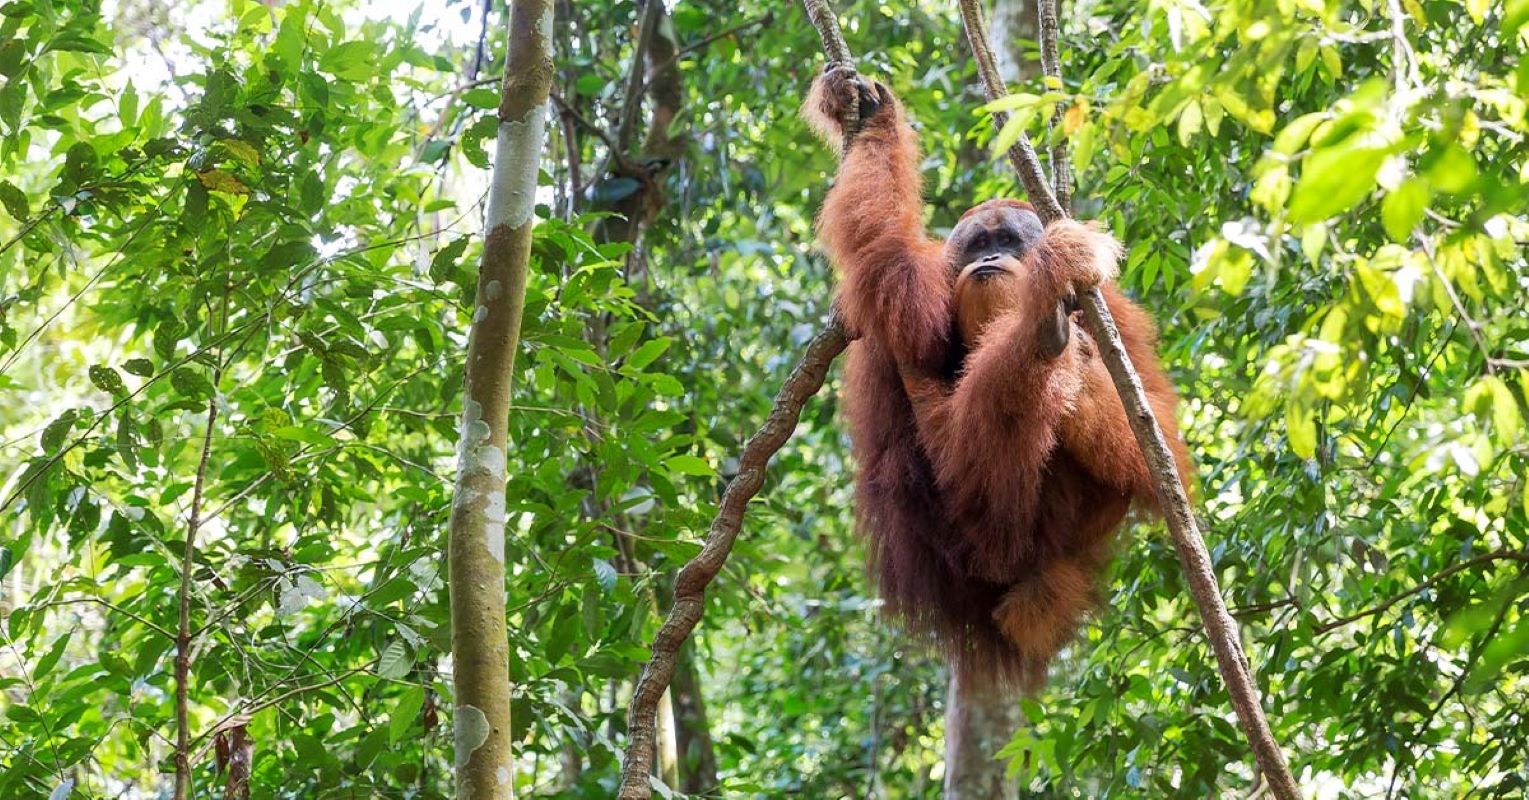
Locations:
(766, 19)
(1495, 555)
(1220, 629)
(1051, 65)
(652, 14)
(183, 635)
(691, 583)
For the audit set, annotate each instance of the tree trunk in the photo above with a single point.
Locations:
(667, 767)
(479, 645)
(978, 723)
(1015, 27)
(698, 758)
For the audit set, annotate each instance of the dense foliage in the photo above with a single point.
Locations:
(250, 229)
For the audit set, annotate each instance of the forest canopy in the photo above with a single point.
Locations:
(240, 250)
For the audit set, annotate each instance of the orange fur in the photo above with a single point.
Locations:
(990, 484)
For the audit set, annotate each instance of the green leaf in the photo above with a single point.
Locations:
(1403, 208)
(1301, 429)
(141, 367)
(166, 336)
(486, 127)
(686, 464)
(1293, 136)
(14, 200)
(13, 97)
(50, 659)
(443, 265)
(1191, 119)
(1490, 398)
(107, 380)
(53, 436)
(481, 97)
(648, 352)
(1013, 128)
(306, 435)
(1453, 171)
(405, 713)
(1332, 181)
(191, 383)
(349, 60)
(395, 661)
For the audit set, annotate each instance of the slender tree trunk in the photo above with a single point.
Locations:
(183, 633)
(978, 723)
(1016, 29)
(668, 762)
(479, 644)
(698, 758)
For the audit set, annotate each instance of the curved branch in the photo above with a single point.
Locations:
(693, 579)
(1220, 629)
(690, 585)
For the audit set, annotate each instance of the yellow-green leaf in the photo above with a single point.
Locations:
(217, 180)
(1191, 119)
(1333, 180)
(242, 150)
(1402, 209)
(1301, 429)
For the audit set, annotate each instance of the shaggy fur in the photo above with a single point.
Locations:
(991, 479)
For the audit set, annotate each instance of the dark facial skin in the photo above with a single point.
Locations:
(986, 252)
(994, 228)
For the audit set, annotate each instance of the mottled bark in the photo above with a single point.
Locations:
(1015, 28)
(480, 647)
(978, 723)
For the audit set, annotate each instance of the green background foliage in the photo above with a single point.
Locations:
(277, 208)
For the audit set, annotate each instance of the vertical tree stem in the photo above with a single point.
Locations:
(183, 633)
(1051, 66)
(479, 643)
(1220, 629)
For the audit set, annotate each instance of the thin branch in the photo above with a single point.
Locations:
(1496, 555)
(112, 607)
(1471, 325)
(631, 101)
(769, 16)
(616, 152)
(691, 583)
(1220, 628)
(183, 637)
(482, 47)
(151, 217)
(1022, 155)
(248, 710)
(1051, 65)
